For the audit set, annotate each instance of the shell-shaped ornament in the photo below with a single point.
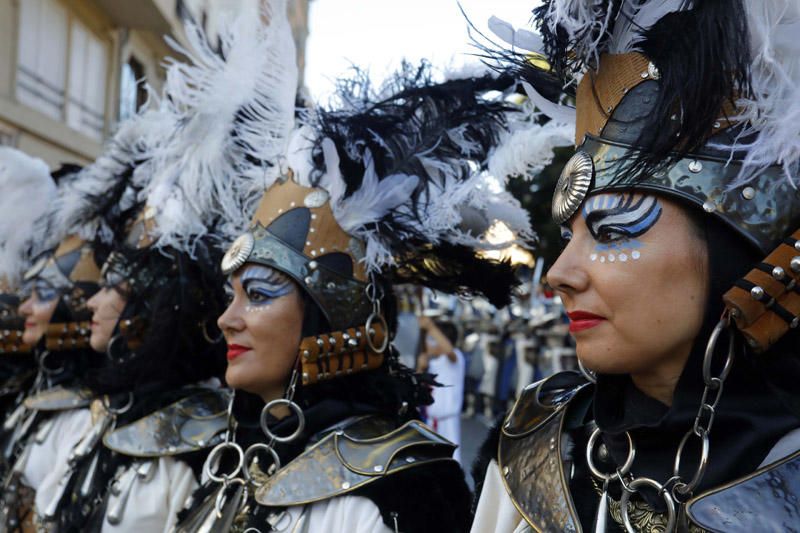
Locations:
(238, 253)
(572, 187)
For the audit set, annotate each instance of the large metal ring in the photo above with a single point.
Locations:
(588, 374)
(709, 355)
(301, 420)
(49, 371)
(218, 502)
(214, 457)
(686, 488)
(207, 337)
(110, 348)
(635, 485)
(248, 458)
(624, 469)
(117, 410)
(369, 333)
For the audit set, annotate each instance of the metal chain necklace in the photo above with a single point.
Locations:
(675, 490)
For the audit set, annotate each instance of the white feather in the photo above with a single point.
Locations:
(235, 115)
(526, 150)
(27, 191)
(774, 110)
(517, 38)
(560, 113)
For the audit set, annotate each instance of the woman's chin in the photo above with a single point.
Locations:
(31, 338)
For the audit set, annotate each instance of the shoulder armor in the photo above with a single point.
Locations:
(347, 459)
(530, 453)
(59, 399)
(190, 424)
(540, 401)
(766, 500)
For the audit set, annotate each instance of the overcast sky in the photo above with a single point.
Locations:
(378, 34)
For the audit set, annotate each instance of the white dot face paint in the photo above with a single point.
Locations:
(611, 258)
(623, 257)
(636, 255)
(593, 257)
(602, 259)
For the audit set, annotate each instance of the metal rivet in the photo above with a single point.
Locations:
(306, 354)
(314, 253)
(709, 207)
(602, 452)
(735, 313)
(308, 280)
(644, 75)
(609, 109)
(378, 468)
(717, 124)
(778, 273)
(748, 193)
(313, 265)
(410, 459)
(308, 243)
(795, 323)
(695, 166)
(506, 471)
(795, 264)
(653, 71)
(753, 343)
(322, 250)
(331, 285)
(624, 90)
(797, 245)
(345, 485)
(757, 292)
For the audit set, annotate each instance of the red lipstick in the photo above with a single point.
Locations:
(581, 320)
(235, 350)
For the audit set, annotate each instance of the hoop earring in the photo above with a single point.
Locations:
(207, 337)
(110, 348)
(44, 368)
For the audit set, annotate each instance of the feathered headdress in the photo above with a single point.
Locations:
(28, 190)
(233, 109)
(402, 164)
(669, 82)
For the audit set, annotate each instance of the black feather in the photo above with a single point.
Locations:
(404, 125)
(703, 56)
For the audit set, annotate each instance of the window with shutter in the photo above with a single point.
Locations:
(41, 60)
(88, 64)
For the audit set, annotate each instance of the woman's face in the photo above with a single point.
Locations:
(107, 305)
(633, 280)
(262, 326)
(38, 309)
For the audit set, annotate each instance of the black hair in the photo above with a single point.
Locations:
(449, 330)
(175, 312)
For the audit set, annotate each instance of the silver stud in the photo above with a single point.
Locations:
(306, 354)
(778, 273)
(652, 71)
(748, 193)
(506, 471)
(308, 280)
(795, 323)
(797, 245)
(313, 253)
(709, 207)
(308, 243)
(331, 285)
(352, 343)
(753, 343)
(624, 90)
(644, 75)
(795, 264)
(717, 125)
(757, 292)
(735, 313)
(695, 166)
(410, 459)
(313, 265)
(322, 250)
(201, 442)
(378, 468)
(345, 485)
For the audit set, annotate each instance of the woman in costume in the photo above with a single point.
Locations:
(26, 181)
(679, 213)
(323, 433)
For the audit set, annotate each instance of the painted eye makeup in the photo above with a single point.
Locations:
(566, 235)
(262, 285)
(45, 292)
(612, 218)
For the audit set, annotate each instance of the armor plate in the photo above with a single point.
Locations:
(347, 459)
(190, 424)
(59, 399)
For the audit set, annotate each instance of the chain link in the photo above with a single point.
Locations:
(675, 489)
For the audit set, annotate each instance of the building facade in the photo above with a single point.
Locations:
(71, 69)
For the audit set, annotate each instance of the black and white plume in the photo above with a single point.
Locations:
(404, 166)
(96, 202)
(28, 190)
(233, 108)
(710, 55)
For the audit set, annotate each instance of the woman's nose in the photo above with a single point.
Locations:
(230, 320)
(568, 274)
(26, 307)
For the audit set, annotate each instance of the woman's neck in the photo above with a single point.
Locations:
(279, 411)
(660, 381)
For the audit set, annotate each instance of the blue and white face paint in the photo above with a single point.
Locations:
(616, 220)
